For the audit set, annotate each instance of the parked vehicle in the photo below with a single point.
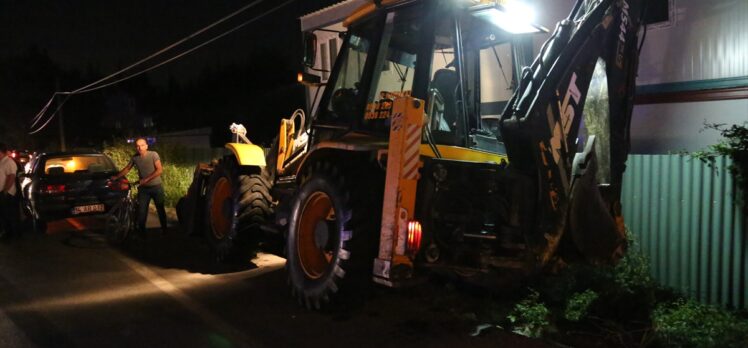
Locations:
(67, 184)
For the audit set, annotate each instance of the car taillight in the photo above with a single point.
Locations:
(53, 188)
(414, 237)
(119, 185)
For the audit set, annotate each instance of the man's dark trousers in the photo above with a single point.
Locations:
(145, 194)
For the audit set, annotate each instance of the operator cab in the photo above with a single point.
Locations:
(463, 61)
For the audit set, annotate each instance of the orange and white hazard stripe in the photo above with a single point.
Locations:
(411, 152)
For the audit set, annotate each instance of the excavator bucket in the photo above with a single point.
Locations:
(594, 230)
(579, 91)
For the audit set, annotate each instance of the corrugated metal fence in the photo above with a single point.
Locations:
(685, 218)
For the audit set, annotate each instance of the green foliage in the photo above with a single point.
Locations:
(622, 306)
(530, 317)
(177, 179)
(633, 274)
(177, 174)
(626, 290)
(688, 323)
(735, 146)
(579, 304)
(121, 154)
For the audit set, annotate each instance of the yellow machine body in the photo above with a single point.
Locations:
(247, 154)
(401, 182)
(463, 154)
(285, 142)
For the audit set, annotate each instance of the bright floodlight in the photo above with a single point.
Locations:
(514, 17)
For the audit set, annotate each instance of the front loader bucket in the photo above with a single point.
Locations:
(596, 232)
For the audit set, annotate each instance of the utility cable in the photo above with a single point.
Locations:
(86, 89)
(38, 116)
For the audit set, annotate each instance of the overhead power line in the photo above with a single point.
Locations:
(92, 86)
(38, 116)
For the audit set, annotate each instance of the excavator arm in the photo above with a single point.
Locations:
(566, 128)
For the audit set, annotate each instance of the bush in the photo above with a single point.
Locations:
(177, 174)
(687, 323)
(579, 304)
(530, 317)
(734, 145)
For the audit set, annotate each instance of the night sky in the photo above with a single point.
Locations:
(71, 43)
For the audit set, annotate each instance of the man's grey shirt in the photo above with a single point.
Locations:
(146, 166)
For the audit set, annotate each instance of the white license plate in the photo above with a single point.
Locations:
(93, 208)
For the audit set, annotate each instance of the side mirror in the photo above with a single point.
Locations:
(310, 48)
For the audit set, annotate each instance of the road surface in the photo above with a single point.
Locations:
(69, 288)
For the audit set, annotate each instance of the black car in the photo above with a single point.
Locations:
(68, 184)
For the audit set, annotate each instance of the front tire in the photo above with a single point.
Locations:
(326, 245)
(221, 208)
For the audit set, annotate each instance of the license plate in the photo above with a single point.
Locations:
(93, 208)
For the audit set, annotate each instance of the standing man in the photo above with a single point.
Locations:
(149, 171)
(8, 199)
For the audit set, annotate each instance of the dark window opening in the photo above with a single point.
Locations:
(657, 11)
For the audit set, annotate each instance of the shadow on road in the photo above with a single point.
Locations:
(176, 251)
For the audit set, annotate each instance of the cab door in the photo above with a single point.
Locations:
(492, 62)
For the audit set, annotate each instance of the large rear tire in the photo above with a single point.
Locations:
(327, 245)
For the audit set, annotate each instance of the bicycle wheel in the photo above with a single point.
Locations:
(119, 223)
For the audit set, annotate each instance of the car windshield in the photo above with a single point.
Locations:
(78, 164)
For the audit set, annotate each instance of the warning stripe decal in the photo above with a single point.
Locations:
(412, 150)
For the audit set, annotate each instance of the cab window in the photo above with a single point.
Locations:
(396, 66)
(446, 121)
(490, 80)
(345, 103)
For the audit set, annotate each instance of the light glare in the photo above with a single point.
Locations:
(516, 17)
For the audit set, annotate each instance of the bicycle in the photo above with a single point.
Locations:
(122, 219)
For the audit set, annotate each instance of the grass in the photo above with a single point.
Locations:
(178, 168)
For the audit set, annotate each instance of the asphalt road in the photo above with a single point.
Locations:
(69, 288)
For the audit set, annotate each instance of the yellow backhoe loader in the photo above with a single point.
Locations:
(438, 144)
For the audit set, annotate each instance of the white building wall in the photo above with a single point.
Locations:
(675, 127)
(705, 40)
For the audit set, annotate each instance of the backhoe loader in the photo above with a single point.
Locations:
(438, 144)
